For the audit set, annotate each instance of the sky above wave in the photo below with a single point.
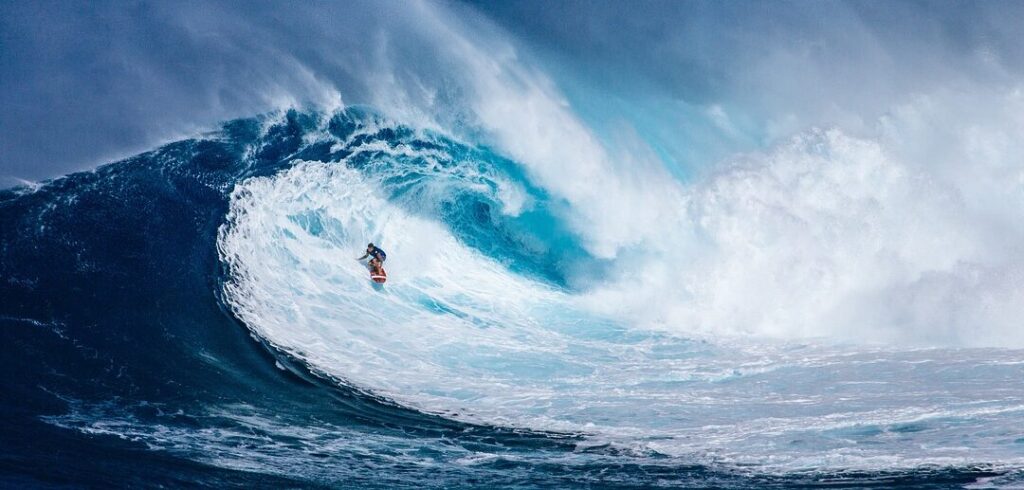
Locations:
(86, 83)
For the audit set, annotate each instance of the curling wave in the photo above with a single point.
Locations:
(196, 311)
(465, 331)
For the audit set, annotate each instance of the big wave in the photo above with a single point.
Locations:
(510, 346)
(481, 322)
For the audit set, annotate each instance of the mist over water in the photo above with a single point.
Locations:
(728, 245)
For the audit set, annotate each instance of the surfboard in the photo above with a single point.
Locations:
(379, 279)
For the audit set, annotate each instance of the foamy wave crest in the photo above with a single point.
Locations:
(852, 238)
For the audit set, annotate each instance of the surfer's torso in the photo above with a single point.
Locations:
(378, 254)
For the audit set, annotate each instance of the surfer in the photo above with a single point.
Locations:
(376, 264)
(378, 256)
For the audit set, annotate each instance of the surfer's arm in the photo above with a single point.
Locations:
(365, 255)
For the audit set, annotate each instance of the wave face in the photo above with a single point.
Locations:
(194, 316)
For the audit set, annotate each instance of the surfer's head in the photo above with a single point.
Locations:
(369, 246)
